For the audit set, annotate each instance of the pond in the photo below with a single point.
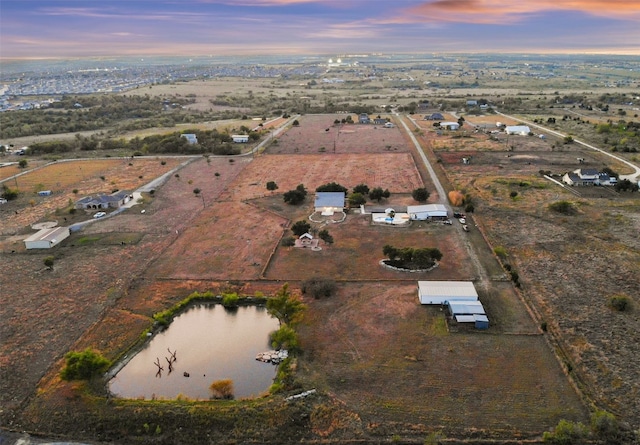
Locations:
(210, 343)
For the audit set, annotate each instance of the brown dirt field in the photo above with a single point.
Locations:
(311, 136)
(393, 362)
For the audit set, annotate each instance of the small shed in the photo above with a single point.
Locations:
(465, 307)
(439, 292)
(328, 203)
(44, 193)
(450, 125)
(46, 238)
(190, 137)
(240, 138)
(522, 130)
(426, 211)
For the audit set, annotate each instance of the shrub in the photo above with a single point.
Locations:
(288, 241)
(319, 287)
(84, 365)
(8, 193)
(564, 207)
(620, 303)
(222, 389)
(604, 426)
(500, 252)
(230, 300)
(271, 185)
(48, 262)
(566, 433)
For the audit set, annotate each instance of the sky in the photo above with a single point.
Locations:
(97, 28)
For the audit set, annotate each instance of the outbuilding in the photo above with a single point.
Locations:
(450, 125)
(46, 238)
(427, 211)
(240, 138)
(440, 292)
(522, 130)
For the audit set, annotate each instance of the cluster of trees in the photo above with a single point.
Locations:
(411, 258)
(319, 287)
(209, 141)
(295, 196)
(604, 428)
(289, 310)
(84, 365)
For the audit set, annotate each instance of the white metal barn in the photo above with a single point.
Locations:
(46, 238)
(427, 211)
(240, 138)
(522, 130)
(439, 292)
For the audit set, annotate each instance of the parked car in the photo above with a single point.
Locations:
(462, 221)
(99, 215)
(458, 215)
(465, 227)
(3, 201)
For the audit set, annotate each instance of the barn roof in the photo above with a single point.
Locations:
(448, 289)
(329, 199)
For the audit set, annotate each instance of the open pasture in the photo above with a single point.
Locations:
(317, 133)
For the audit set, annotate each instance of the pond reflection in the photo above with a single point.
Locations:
(210, 343)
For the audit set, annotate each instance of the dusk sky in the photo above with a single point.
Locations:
(81, 28)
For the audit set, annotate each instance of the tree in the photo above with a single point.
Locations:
(23, 163)
(287, 308)
(356, 199)
(390, 252)
(325, 236)
(300, 227)
(222, 389)
(420, 194)
(377, 194)
(48, 262)
(271, 185)
(285, 338)
(84, 365)
(363, 189)
(566, 433)
(605, 427)
(296, 123)
(294, 197)
(625, 185)
(332, 187)
(196, 191)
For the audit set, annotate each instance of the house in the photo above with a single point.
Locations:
(306, 240)
(240, 138)
(190, 137)
(327, 203)
(114, 201)
(364, 118)
(450, 125)
(522, 130)
(434, 117)
(586, 176)
(46, 238)
(379, 121)
(440, 292)
(472, 103)
(44, 193)
(427, 211)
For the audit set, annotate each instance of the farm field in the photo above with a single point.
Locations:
(385, 365)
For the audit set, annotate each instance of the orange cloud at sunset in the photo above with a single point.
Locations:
(498, 11)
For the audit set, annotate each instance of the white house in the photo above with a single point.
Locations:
(46, 238)
(522, 130)
(440, 292)
(114, 201)
(190, 137)
(240, 138)
(427, 211)
(450, 125)
(586, 176)
(327, 203)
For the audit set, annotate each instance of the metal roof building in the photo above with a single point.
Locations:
(422, 212)
(46, 238)
(329, 202)
(439, 292)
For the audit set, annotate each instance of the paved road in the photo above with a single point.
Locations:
(633, 177)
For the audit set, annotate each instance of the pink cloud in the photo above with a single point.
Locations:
(499, 11)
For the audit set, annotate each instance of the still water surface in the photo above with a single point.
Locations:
(211, 343)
